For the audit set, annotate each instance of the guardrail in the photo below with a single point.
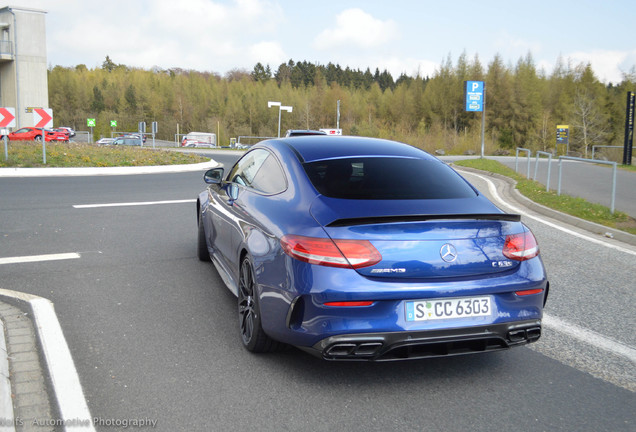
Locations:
(519, 149)
(536, 166)
(594, 147)
(83, 136)
(614, 164)
(251, 137)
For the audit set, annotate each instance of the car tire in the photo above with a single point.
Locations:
(202, 246)
(37, 138)
(249, 314)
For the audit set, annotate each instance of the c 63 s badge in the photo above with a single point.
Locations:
(501, 264)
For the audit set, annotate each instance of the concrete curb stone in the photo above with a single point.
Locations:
(27, 384)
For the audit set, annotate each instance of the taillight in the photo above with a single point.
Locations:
(521, 247)
(332, 253)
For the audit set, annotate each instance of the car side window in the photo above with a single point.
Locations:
(270, 178)
(259, 170)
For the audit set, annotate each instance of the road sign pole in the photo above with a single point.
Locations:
(43, 147)
(475, 100)
(483, 122)
(6, 148)
(155, 128)
(629, 129)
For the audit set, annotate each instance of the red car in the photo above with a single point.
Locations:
(35, 134)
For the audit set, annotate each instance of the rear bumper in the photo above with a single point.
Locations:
(392, 346)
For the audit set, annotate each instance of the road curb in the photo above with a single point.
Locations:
(514, 194)
(6, 404)
(57, 361)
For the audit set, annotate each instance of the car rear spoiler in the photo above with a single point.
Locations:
(507, 217)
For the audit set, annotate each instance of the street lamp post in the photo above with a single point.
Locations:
(280, 108)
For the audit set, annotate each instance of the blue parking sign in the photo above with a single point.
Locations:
(474, 92)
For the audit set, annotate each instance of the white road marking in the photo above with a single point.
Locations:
(64, 377)
(39, 258)
(126, 204)
(590, 337)
(572, 330)
(495, 194)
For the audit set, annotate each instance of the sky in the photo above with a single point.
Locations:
(401, 36)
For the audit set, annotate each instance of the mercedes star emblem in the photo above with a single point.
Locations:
(448, 252)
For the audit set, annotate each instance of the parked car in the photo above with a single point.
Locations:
(70, 130)
(35, 134)
(105, 141)
(134, 135)
(365, 249)
(127, 141)
(303, 132)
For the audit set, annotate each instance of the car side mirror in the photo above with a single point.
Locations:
(213, 176)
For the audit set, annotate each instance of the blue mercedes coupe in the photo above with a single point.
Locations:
(365, 249)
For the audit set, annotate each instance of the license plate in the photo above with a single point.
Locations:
(434, 309)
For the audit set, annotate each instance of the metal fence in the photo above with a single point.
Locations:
(536, 167)
(561, 159)
(614, 164)
(83, 136)
(528, 152)
(594, 147)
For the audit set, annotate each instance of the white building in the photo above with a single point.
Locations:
(23, 67)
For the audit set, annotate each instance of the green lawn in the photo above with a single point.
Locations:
(24, 154)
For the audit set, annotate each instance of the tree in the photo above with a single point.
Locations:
(108, 64)
(260, 73)
(131, 98)
(590, 124)
(98, 100)
(283, 74)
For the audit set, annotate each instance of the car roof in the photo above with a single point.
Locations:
(314, 148)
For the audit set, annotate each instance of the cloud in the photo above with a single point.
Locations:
(608, 66)
(510, 46)
(268, 53)
(207, 35)
(410, 66)
(356, 28)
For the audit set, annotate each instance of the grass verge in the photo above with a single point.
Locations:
(27, 154)
(564, 203)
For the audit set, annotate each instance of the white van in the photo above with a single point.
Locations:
(199, 139)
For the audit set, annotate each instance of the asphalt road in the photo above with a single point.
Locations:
(592, 182)
(154, 332)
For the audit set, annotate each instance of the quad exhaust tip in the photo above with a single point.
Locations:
(379, 350)
(530, 334)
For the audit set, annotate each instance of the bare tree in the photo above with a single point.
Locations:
(588, 119)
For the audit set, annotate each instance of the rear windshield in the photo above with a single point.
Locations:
(386, 178)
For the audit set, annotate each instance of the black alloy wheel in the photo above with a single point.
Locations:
(202, 247)
(252, 334)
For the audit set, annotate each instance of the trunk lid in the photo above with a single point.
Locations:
(424, 240)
